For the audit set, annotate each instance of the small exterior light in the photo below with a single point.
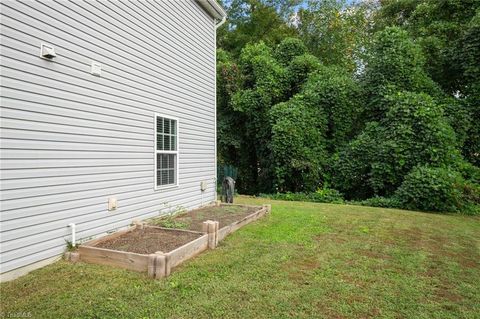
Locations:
(47, 51)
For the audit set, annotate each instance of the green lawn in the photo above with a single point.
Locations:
(305, 260)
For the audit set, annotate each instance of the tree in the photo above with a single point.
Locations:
(298, 147)
(334, 91)
(334, 31)
(311, 125)
(394, 63)
(436, 26)
(298, 71)
(251, 21)
(262, 85)
(227, 84)
(288, 49)
(447, 31)
(468, 58)
(279, 114)
(322, 101)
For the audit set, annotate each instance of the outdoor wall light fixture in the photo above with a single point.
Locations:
(47, 51)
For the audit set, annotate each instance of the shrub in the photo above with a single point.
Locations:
(378, 201)
(327, 195)
(459, 118)
(470, 172)
(324, 195)
(438, 189)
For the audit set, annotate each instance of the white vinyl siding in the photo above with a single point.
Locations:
(166, 151)
(70, 140)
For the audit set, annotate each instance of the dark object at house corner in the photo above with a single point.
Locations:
(228, 189)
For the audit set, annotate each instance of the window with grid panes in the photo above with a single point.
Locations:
(166, 164)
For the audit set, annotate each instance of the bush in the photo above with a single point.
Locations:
(378, 201)
(470, 172)
(325, 195)
(438, 189)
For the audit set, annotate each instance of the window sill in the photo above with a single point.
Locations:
(161, 188)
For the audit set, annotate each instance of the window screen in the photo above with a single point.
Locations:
(166, 151)
(166, 134)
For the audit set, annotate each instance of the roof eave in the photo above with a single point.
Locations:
(213, 8)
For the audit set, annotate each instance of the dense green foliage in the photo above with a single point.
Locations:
(394, 63)
(297, 144)
(255, 20)
(380, 103)
(339, 96)
(437, 189)
(448, 33)
(378, 159)
(325, 195)
(333, 34)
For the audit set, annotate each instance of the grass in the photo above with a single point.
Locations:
(305, 260)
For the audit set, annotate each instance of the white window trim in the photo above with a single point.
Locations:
(155, 152)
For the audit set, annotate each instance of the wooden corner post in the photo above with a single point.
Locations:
(211, 228)
(268, 207)
(157, 266)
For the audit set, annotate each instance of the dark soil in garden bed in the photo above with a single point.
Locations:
(193, 220)
(149, 240)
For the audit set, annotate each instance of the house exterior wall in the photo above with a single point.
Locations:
(70, 140)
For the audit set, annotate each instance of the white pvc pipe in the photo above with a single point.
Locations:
(72, 225)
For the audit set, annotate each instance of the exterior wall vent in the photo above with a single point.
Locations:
(96, 68)
(47, 51)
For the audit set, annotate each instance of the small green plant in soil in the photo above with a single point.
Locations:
(170, 221)
(70, 246)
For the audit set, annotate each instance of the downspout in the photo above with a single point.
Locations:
(218, 25)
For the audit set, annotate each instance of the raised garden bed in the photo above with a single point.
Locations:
(225, 214)
(230, 218)
(149, 240)
(156, 250)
